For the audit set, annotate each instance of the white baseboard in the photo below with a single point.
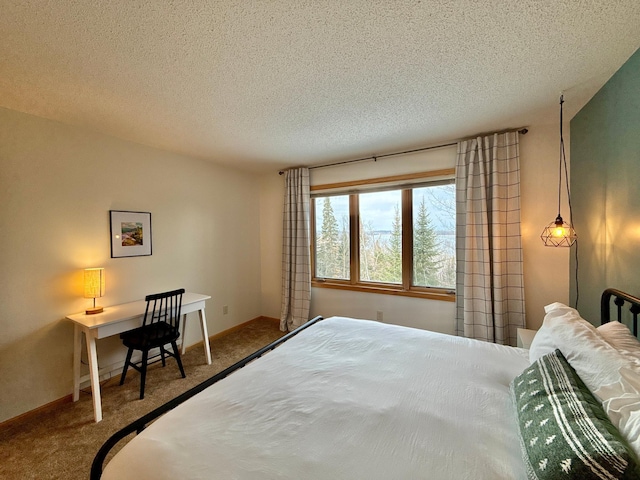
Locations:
(115, 369)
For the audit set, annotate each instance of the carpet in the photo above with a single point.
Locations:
(60, 442)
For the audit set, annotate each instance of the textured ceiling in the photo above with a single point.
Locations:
(261, 85)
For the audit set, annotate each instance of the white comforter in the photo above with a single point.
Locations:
(345, 399)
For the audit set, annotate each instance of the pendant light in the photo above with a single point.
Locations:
(560, 233)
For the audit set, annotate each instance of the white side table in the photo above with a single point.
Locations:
(525, 337)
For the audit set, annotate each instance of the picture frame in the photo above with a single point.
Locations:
(130, 233)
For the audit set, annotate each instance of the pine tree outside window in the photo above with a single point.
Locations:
(434, 236)
(332, 253)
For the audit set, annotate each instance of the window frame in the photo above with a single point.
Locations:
(353, 189)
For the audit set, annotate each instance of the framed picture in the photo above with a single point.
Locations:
(130, 233)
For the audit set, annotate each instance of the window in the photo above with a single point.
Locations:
(332, 249)
(380, 237)
(397, 240)
(434, 236)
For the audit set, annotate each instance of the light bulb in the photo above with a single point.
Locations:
(558, 232)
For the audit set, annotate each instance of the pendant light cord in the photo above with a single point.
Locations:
(563, 162)
(562, 157)
(566, 177)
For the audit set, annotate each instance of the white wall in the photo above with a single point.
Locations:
(271, 202)
(545, 269)
(215, 231)
(434, 315)
(57, 185)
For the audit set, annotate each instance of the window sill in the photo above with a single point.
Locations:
(427, 293)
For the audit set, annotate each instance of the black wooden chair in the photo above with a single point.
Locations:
(160, 327)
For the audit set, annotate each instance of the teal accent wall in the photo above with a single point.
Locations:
(605, 190)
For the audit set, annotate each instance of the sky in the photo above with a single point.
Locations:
(378, 207)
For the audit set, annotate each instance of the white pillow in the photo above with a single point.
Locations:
(622, 405)
(596, 362)
(620, 337)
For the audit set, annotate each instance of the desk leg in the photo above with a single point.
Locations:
(184, 334)
(77, 360)
(205, 335)
(92, 355)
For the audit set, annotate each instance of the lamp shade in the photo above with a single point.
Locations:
(558, 234)
(94, 282)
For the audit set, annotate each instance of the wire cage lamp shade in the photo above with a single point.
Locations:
(560, 233)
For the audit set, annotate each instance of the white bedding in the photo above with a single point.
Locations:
(345, 399)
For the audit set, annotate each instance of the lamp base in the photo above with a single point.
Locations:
(94, 310)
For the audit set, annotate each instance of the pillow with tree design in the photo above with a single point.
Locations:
(564, 431)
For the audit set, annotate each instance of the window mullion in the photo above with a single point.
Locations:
(354, 224)
(407, 238)
(313, 244)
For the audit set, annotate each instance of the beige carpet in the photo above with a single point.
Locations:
(60, 443)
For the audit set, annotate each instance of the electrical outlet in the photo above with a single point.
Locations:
(379, 315)
(225, 309)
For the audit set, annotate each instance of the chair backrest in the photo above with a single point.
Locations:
(164, 307)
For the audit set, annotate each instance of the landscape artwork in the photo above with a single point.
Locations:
(131, 234)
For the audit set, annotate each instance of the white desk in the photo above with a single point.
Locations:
(115, 320)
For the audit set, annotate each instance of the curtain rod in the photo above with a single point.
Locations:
(522, 131)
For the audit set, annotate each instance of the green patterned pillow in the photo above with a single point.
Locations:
(564, 432)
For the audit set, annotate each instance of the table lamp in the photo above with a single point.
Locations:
(93, 287)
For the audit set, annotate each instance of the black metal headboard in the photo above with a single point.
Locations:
(620, 298)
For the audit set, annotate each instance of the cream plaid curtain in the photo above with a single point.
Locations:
(489, 285)
(296, 251)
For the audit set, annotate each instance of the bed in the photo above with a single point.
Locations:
(343, 398)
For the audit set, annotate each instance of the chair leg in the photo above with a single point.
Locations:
(177, 355)
(162, 354)
(126, 366)
(143, 372)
